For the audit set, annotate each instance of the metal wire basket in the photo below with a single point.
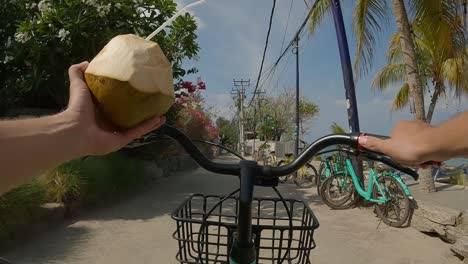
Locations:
(276, 236)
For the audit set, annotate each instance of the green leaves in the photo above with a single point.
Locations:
(322, 9)
(390, 74)
(369, 19)
(402, 98)
(337, 129)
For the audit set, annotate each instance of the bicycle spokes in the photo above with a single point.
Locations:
(395, 211)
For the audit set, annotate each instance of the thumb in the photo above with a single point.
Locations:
(75, 72)
(372, 143)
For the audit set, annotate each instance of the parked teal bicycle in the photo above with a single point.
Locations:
(331, 165)
(388, 192)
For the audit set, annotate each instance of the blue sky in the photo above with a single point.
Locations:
(232, 36)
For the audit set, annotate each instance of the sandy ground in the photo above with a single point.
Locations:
(140, 229)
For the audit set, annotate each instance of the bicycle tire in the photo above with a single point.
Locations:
(346, 201)
(309, 180)
(320, 177)
(282, 179)
(394, 190)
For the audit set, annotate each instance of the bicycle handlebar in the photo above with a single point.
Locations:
(268, 172)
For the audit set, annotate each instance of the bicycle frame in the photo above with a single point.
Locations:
(334, 167)
(373, 177)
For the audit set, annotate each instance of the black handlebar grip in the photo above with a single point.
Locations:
(391, 163)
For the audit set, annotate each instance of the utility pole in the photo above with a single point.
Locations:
(239, 92)
(257, 95)
(296, 51)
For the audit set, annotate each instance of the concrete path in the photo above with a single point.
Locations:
(139, 231)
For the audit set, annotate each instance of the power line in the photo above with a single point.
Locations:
(299, 31)
(287, 24)
(264, 51)
(272, 69)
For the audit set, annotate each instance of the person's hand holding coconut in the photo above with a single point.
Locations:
(31, 146)
(97, 135)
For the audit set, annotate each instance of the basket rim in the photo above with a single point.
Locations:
(314, 226)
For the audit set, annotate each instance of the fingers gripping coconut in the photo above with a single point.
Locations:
(131, 78)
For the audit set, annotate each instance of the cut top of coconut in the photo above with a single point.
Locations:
(139, 62)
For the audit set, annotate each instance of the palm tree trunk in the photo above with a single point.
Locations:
(435, 97)
(409, 56)
(412, 77)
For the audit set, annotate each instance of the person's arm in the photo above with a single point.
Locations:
(29, 147)
(415, 142)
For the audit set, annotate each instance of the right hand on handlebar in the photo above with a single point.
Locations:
(405, 146)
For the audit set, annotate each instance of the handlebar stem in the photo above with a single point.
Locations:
(244, 240)
(247, 178)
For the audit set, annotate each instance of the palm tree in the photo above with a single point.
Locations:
(337, 129)
(442, 71)
(368, 18)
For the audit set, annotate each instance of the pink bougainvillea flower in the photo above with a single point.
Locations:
(199, 116)
(191, 89)
(186, 85)
(181, 100)
(201, 85)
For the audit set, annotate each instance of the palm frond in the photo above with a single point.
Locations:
(456, 75)
(369, 19)
(321, 10)
(402, 98)
(391, 74)
(337, 129)
(441, 25)
(394, 53)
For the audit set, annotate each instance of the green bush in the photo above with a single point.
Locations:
(458, 178)
(18, 206)
(108, 175)
(64, 183)
(93, 178)
(79, 181)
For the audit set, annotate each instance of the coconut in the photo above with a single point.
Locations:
(131, 80)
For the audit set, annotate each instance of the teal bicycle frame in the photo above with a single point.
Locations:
(373, 177)
(331, 168)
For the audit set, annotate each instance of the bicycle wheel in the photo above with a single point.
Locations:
(306, 176)
(283, 179)
(320, 177)
(396, 211)
(337, 192)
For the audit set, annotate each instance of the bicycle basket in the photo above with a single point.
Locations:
(270, 227)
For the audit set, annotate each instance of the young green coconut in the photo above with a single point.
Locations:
(131, 80)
